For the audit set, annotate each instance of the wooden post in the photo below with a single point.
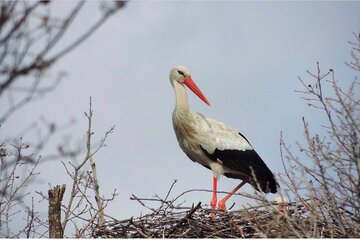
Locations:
(55, 197)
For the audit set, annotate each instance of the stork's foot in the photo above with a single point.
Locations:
(222, 206)
(213, 206)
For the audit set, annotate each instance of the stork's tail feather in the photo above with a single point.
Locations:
(261, 175)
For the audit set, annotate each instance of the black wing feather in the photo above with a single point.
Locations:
(249, 164)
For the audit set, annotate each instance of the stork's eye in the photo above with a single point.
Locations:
(181, 73)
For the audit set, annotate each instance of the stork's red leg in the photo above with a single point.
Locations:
(214, 197)
(222, 202)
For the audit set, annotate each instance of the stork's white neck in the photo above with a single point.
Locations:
(181, 97)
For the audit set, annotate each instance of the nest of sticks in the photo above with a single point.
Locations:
(267, 220)
(196, 223)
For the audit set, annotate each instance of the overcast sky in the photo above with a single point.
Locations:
(245, 57)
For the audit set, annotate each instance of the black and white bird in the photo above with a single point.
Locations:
(215, 145)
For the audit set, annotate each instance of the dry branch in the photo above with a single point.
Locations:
(81, 206)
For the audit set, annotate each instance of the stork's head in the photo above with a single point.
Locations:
(182, 75)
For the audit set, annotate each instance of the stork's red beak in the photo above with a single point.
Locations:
(191, 84)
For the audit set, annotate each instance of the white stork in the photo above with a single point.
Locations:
(214, 145)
